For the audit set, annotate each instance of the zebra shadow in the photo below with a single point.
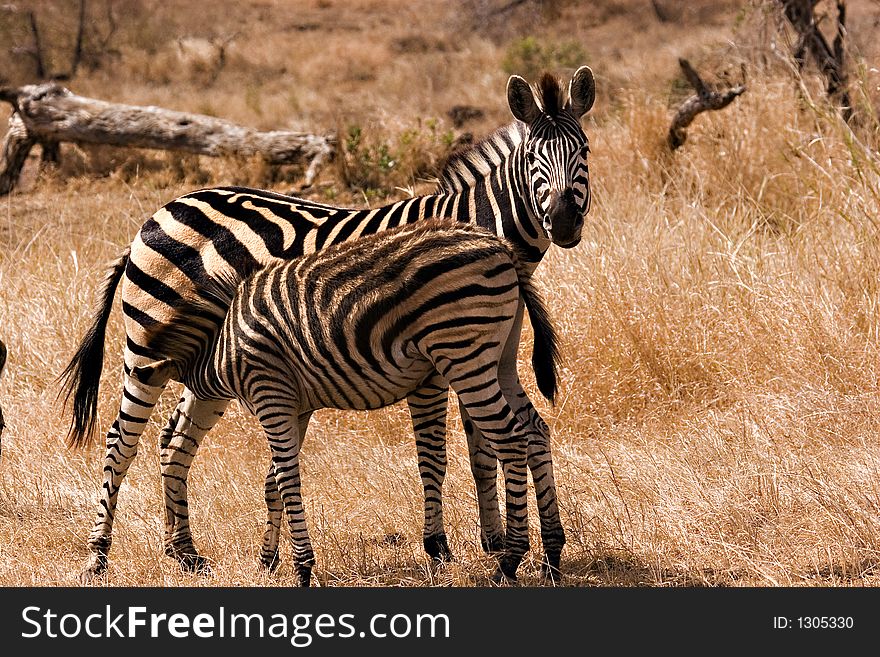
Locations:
(612, 568)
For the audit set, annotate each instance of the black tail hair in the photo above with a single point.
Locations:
(82, 375)
(545, 349)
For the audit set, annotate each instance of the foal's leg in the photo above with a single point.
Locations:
(269, 553)
(427, 407)
(505, 436)
(279, 421)
(539, 461)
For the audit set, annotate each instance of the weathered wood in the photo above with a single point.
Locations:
(16, 146)
(704, 100)
(52, 113)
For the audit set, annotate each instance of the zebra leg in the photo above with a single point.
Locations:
(504, 435)
(269, 553)
(427, 407)
(539, 459)
(138, 401)
(541, 466)
(484, 470)
(483, 460)
(282, 432)
(179, 442)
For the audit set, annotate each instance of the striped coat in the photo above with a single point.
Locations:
(528, 182)
(360, 325)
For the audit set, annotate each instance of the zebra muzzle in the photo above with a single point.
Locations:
(564, 219)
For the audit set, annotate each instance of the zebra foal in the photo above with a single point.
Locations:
(361, 325)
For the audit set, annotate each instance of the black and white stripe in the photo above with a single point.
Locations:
(361, 325)
(528, 182)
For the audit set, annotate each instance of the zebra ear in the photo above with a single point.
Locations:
(582, 91)
(521, 100)
(156, 374)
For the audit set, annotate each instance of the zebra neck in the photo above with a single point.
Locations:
(488, 184)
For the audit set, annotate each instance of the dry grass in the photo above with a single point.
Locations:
(721, 320)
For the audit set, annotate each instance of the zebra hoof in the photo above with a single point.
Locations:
(506, 573)
(501, 578)
(271, 563)
(437, 548)
(492, 544)
(303, 575)
(96, 567)
(550, 571)
(195, 563)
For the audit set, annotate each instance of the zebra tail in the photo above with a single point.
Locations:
(545, 349)
(82, 375)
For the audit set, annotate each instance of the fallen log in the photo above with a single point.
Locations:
(704, 100)
(49, 113)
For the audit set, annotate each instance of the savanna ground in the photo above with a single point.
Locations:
(719, 411)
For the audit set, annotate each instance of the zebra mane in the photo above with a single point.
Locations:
(480, 159)
(551, 95)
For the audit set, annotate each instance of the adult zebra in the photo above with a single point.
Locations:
(360, 325)
(528, 181)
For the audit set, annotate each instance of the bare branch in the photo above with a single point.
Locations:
(37, 52)
(693, 78)
(80, 34)
(705, 99)
(16, 146)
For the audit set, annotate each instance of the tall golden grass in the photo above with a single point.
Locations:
(718, 416)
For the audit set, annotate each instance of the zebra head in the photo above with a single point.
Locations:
(555, 151)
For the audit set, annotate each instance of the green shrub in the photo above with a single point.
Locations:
(529, 57)
(376, 162)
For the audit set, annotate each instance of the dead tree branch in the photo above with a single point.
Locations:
(704, 100)
(828, 58)
(36, 51)
(49, 113)
(16, 146)
(80, 35)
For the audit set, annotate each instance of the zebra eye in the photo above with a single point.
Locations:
(530, 157)
(585, 149)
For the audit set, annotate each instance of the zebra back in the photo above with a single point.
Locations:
(344, 263)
